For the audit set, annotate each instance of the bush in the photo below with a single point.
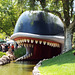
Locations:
(73, 51)
(19, 52)
(1, 54)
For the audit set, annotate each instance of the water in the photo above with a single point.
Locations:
(18, 68)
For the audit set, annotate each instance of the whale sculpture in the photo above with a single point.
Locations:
(41, 33)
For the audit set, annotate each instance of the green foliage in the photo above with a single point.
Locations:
(10, 10)
(8, 16)
(73, 51)
(63, 64)
(2, 35)
(1, 54)
(19, 52)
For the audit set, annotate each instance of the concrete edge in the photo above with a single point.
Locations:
(35, 70)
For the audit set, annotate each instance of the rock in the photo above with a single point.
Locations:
(1, 61)
(7, 58)
(4, 60)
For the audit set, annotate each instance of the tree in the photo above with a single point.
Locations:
(61, 8)
(8, 16)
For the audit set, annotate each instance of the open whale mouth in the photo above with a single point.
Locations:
(38, 46)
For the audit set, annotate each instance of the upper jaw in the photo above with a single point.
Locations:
(59, 39)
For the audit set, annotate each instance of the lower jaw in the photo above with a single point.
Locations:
(37, 49)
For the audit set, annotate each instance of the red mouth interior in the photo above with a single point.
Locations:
(40, 50)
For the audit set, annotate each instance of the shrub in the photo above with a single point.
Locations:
(73, 51)
(19, 52)
(1, 54)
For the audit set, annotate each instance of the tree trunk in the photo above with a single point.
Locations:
(67, 40)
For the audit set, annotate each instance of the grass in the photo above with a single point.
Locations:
(59, 65)
(1, 54)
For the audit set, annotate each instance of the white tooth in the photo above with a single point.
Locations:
(58, 45)
(36, 41)
(28, 40)
(40, 42)
(24, 57)
(31, 54)
(32, 46)
(22, 44)
(47, 43)
(18, 41)
(54, 44)
(32, 41)
(24, 40)
(25, 45)
(27, 57)
(50, 44)
(29, 45)
(44, 42)
(21, 41)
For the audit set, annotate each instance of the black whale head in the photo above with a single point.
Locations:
(39, 22)
(40, 32)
